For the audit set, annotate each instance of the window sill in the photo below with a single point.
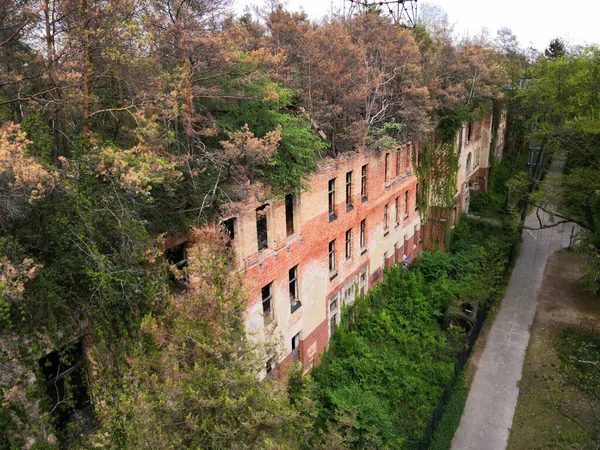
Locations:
(364, 199)
(332, 217)
(363, 252)
(397, 225)
(405, 216)
(349, 208)
(332, 276)
(385, 233)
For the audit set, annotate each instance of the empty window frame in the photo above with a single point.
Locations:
(460, 140)
(406, 203)
(261, 227)
(385, 260)
(334, 311)
(229, 228)
(399, 163)
(386, 167)
(331, 196)
(271, 367)
(332, 256)
(468, 166)
(417, 197)
(289, 214)
(363, 282)
(395, 257)
(349, 244)
(349, 189)
(363, 182)
(363, 233)
(385, 218)
(296, 348)
(397, 209)
(293, 285)
(349, 291)
(469, 131)
(415, 236)
(177, 256)
(267, 303)
(67, 387)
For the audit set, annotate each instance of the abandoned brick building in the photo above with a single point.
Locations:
(472, 145)
(306, 255)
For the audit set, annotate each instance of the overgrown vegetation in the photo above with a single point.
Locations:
(395, 349)
(126, 125)
(444, 433)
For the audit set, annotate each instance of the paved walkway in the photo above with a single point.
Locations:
(488, 414)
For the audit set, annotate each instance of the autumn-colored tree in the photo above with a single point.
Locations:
(195, 381)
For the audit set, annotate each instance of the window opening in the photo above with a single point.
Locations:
(177, 256)
(293, 285)
(333, 314)
(362, 281)
(363, 233)
(296, 348)
(385, 217)
(417, 197)
(397, 208)
(415, 236)
(229, 228)
(67, 389)
(386, 167)
(267, 303)
(349, 244)
(331, 194)
(261, 227)
(349, 290)
(349, 189)
(406, 204)
(332, 256)
(270, 367)
(289, 214)
(363, 182)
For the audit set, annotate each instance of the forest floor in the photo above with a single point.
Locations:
(552, 413)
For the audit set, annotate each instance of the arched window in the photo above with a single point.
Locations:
(468, 163)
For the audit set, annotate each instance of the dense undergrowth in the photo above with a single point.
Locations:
(396, 347)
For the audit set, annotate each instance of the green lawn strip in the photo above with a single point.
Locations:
(558, 399)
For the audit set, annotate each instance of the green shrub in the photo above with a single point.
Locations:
(393, 353)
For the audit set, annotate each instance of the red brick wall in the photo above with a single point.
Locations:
(311, 241)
